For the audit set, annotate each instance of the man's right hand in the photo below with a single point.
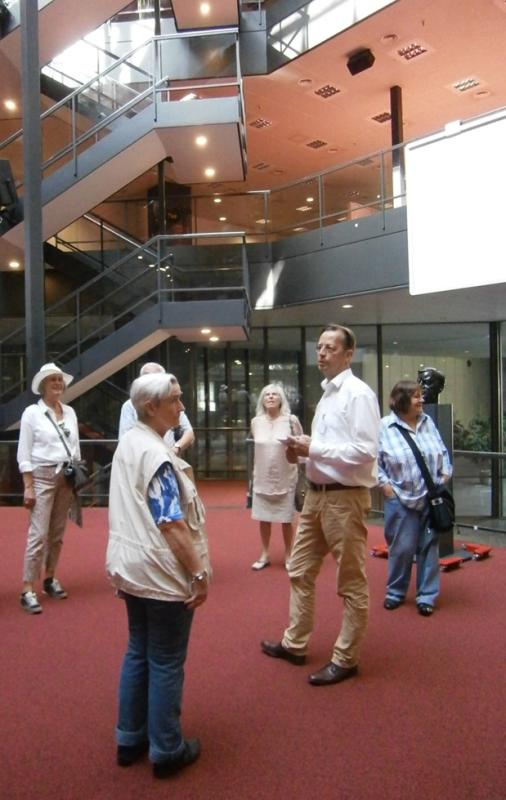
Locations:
(388, 492)
(29, 498)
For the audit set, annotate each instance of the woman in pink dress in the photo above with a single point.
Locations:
(274, 479)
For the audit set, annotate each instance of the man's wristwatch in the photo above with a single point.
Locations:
(199, 577)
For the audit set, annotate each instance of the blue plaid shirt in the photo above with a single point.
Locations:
(396, 462)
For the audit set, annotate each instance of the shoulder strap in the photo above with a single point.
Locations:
(58, 431)
(418, 457)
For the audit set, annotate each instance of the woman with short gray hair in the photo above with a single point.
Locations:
(157, 558)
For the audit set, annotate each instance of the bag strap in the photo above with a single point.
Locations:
(58, 431)
(431, 486)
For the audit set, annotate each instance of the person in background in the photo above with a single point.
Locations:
(341, 468)
(47, 495)
(157, 558)
(274, 478)
(179, 438)
(407, 530)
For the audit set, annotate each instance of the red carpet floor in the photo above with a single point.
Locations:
(424, 719)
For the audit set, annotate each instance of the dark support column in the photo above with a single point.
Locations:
(32, 195)
(379, 364)
(158, 25)
(397, 125)
(496, 410)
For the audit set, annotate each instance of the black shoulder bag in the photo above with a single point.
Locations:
(441, 502)
(75, 472)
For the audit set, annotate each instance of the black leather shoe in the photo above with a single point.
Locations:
(126, 756)
(425, 609)
(276, 650)
(331, 673)
(390, 604)
(165, 769)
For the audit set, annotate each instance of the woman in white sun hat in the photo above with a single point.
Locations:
(45, 426)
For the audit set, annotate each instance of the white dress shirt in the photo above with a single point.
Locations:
(345, 434)
(128, 418)
(39, 444)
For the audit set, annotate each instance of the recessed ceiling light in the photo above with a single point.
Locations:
(214, 338)
(189, 96)
(262, 221)
(10, 105)
(201, 141)
(309, 199)
(347, 305)
(209, 172)
(305, 81)
(389, 38)
(223, 219)
(205, 8)
(303, 208)
(216, 199)
(206, 330)
(14, 264)
(140, 258)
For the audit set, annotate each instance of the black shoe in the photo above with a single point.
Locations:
(126, 756)
(425, 609)
(276, 650)
(164, 769)
(331, 673)
(53, 588)
(390, 604)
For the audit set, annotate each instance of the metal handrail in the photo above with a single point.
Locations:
(100, 76)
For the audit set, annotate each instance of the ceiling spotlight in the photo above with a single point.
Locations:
(10, 105)
(206, 330)
(214, 338)
(201, 141)
(223, 219)
(347, 305)
(189, 96)
(205, 8)
(309, 199)
(209, 172)
(14, 264)
(216, 199)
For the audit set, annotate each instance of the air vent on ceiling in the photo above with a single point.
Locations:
(261, 165)
(327, 91)
(465, 84)
(259, 123)
(316, 143)
(412, 50)
(385, 116)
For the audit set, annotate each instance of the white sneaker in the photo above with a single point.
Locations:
(30, 603)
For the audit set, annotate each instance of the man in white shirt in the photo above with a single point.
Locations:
(341, 469)
(128, 418)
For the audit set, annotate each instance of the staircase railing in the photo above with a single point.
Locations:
(160, 70)
(146, 277)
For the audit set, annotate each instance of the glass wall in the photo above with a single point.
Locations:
(462, 353)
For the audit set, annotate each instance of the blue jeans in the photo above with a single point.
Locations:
(407, 534)
(151, 682)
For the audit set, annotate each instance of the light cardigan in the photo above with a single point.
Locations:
(139, 560)
(272, 473)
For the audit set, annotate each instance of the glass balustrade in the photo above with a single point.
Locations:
(170, 68)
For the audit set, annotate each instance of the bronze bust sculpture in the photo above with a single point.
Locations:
(432, 382)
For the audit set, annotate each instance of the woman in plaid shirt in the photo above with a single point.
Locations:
(407, 529)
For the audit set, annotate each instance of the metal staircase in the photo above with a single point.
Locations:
(130, 117)
(171, 286)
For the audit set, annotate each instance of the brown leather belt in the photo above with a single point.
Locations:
(329, 487)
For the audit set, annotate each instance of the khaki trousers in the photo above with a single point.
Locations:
(331, 522)
(53, 497)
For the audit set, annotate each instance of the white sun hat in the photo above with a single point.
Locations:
(45, 371)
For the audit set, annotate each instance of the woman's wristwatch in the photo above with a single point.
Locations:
(199, 577)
